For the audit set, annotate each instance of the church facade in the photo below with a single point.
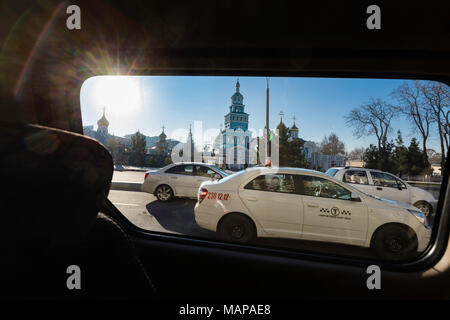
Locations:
(235, 136)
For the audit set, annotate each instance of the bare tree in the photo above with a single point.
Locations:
(372, 117)
(437, 99)
(332, 146)
(411, 104)
(356, 154)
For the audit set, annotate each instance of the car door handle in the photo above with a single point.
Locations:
(379, 188)
(312, 205)
(252, 199)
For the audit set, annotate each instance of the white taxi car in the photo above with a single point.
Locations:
(180, 179)
(305, 204)
(385, 185)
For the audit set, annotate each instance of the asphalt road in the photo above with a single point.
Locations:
(177, 217)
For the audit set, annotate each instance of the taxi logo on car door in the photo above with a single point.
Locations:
(334, 212)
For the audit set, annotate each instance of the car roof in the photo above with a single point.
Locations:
(189, 164)
(286, 169)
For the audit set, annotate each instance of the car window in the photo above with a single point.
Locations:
(185, 170)
(168, 122)
(204, 171)
(356, 176)
(323, 188)
(332, 172)
(283, 183)
(385, 180)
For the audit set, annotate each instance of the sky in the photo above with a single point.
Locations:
(146, 103)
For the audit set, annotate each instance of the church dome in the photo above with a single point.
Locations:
(237, 97)
(103, 122)
(293, 128)
(162, 136)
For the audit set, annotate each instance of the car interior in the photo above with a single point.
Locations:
(55, 208)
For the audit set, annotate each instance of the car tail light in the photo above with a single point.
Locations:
(146, 175)
(202, 193)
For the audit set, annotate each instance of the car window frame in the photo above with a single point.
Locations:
(431, 255)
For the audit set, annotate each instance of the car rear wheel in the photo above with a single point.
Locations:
(395, 242)
(424, 207)
(237, 228)
(164, 193)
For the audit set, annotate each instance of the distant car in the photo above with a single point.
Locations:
(180, 179)
(310, 205)
(385, 185)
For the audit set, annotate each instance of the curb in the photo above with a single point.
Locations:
(126, 186)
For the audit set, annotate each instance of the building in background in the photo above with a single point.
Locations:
(315, 159)
(235, 137)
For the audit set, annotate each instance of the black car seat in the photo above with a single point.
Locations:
(55, 183)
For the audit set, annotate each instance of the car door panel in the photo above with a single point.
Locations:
(202, 174)
(279, 213)
(181, 178)
(332, 219)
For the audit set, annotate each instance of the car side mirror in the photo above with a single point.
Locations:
(354, 197)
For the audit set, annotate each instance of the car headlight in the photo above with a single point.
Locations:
(419, 215)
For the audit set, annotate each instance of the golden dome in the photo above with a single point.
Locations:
(103, 122)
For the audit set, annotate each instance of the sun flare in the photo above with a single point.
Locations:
(119, 95)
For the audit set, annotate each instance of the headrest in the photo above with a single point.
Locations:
(54, 184)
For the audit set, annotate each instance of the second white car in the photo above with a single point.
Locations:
(385, 185)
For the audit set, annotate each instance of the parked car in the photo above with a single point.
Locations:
(385, 185)
(179, 179)
(310, 205)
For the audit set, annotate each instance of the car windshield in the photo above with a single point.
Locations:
(223, 173)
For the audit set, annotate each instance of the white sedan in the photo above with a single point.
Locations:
(180, 179)
(385, 185)
(305, 204)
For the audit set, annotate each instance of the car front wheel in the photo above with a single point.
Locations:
(164, 193)
(237, 228)
(424, 207)
(394, 242)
